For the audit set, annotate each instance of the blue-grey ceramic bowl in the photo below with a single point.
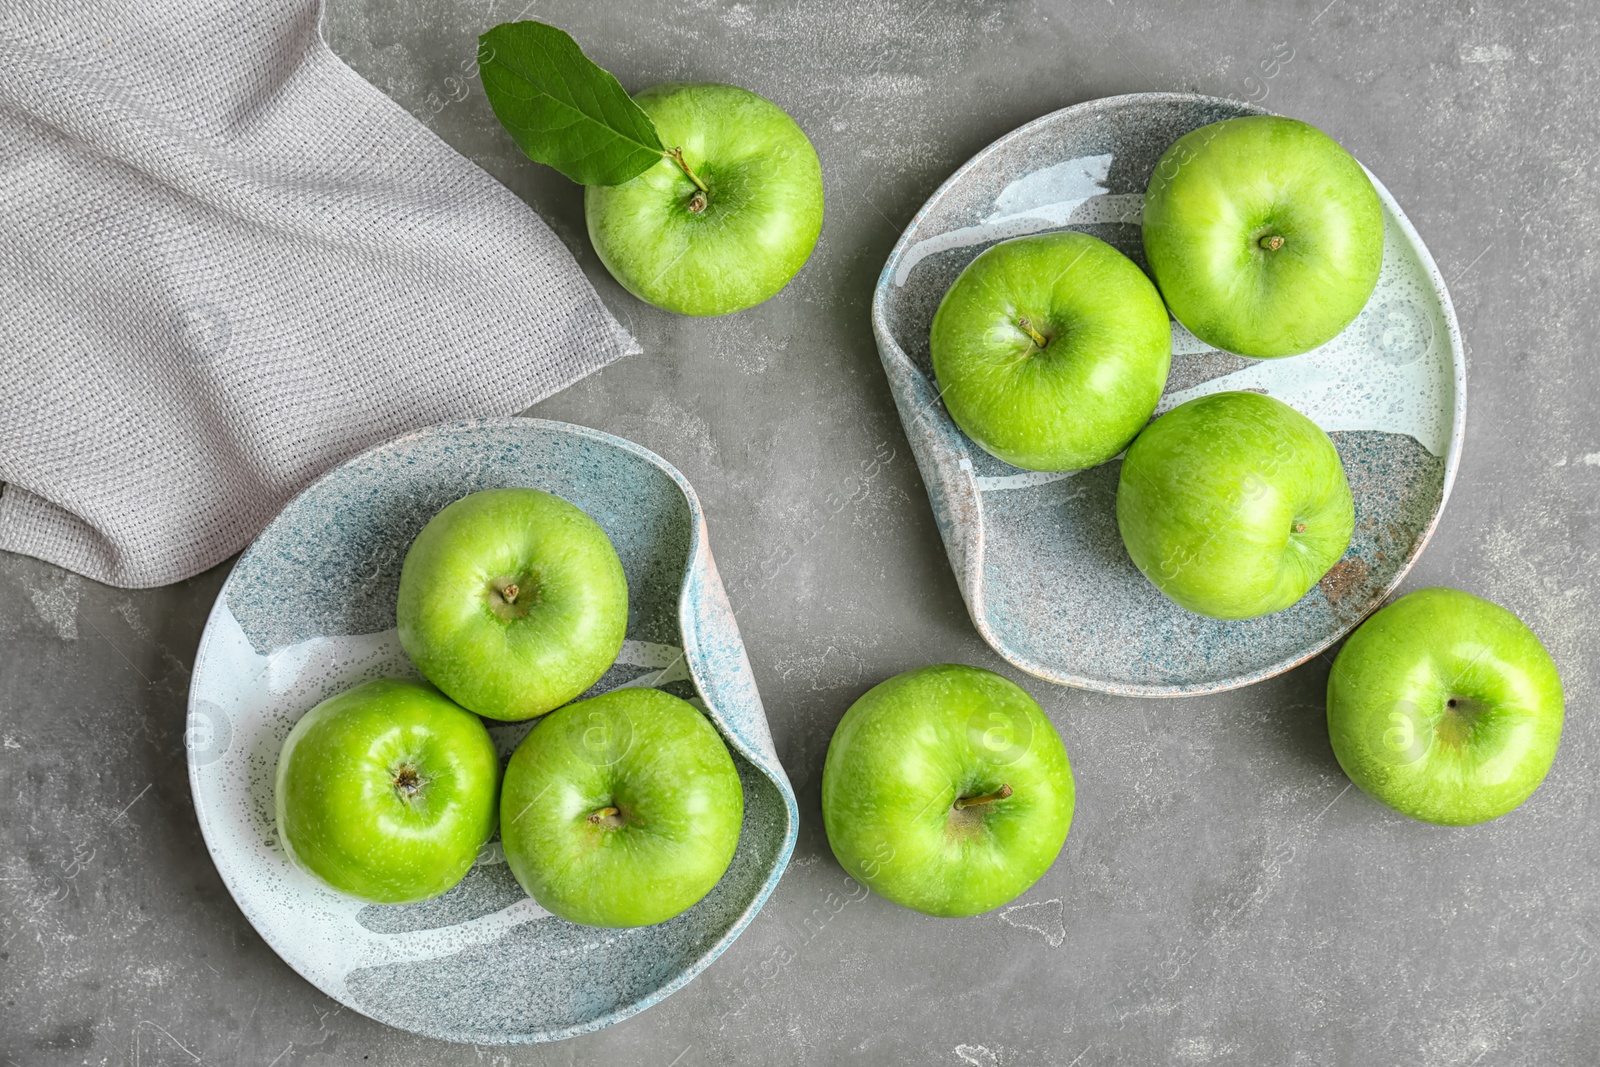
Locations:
(1038, 556)
(309, 611)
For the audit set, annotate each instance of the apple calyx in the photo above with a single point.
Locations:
(408, 781)
(1299, 527)
(1271, 242)
(962, 803)
(608, 818)
(1038, 338)
(697, 202)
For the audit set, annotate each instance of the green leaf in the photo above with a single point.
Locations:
(562, 108)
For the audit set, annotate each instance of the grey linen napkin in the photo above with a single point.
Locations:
(226, 263)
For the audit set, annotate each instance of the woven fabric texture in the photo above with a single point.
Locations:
(227, 263)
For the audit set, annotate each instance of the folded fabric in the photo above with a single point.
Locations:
(226, 263)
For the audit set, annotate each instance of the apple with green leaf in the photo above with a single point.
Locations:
(700, 198)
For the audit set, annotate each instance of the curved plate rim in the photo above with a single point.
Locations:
(889, 348)
(698, 556)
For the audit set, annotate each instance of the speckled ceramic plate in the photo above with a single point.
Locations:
(1038, 556)
(309, 611)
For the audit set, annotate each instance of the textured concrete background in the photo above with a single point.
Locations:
(1225, 896)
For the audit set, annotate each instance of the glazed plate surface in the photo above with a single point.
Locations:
(309, 611)
(1037, 555)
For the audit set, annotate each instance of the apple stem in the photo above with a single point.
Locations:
(1027, 327)
(601, 814)
(972, 802)
(1272, 242)
(676, 155)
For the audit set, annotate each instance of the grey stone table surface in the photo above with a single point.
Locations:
(1225, 895)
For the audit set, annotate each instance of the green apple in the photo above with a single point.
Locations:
(513, 602)
(1264, 235)
(1445, 707)
(725, 225)
(946, 790)
(621, 810)
(1234, 505)
(1051, 351)
(387, 791)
